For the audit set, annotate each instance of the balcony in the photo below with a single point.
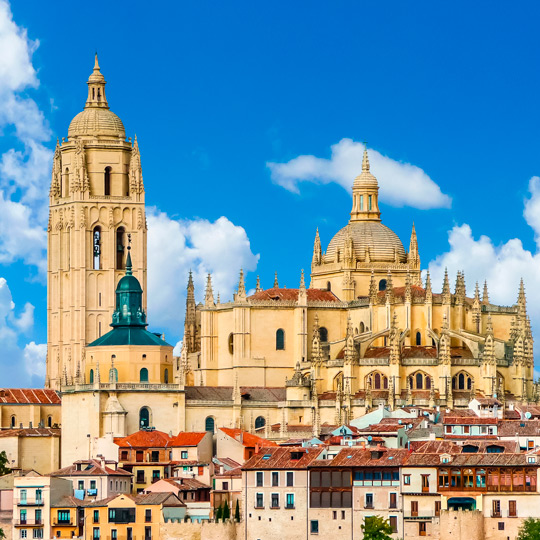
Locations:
(29, 502)
(63, 522)
(28, 522)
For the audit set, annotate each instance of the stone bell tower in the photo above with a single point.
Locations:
(96, 201)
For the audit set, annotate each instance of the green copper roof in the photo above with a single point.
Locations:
(129, 319)
(129, 336)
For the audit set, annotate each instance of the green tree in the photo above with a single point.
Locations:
(3, 468)
(237, 512)
(226, 511)
(529, 530)
(218, 513)
(376, 528)
(2, 534)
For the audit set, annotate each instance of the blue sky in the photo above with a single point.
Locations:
(216, 91)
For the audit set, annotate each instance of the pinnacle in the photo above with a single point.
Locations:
(365, 161)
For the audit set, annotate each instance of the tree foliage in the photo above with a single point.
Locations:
(3, 462)
(376, 528)
(218, 514)
(226, 510)
(237, 511)
(2, 534)
(529, 530)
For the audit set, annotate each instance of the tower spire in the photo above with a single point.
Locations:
(96, 88)
(317, 250)
(485, 295)
(209, 293)
(276, 283)
(258, 285)
(446, 288)
(365, 194)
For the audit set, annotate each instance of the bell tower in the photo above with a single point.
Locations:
(96, 200)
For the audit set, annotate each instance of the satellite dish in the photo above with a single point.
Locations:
(399, 422)
(369, 438)
(426, 413)
(409, 426)
(528, 415)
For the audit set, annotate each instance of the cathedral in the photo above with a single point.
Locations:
(366, 331)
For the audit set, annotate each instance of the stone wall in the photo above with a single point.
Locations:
(462, 524)
(202, 531)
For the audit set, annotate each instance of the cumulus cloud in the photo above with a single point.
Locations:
(175, 247)
(25, 165)
(401, 184)
(34, 355)
(501, 265)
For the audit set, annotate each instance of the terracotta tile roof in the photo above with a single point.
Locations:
(511, 415)
(471, 460)
(224, 393)
(186, 484)
(90, 468)
(451, 447)
(158, 498)
(31, 432)
(419, 352)
(399, 292)
(227, 462)
(488, 401)
(189, 463)
(365, 457)
(69, 501)
(188, 438)
(29, 395)
(231, 473)
(313, 295)
(533, 409)
(280, 458)
(469, 420)
(519, 428)
(248, 440)
(144, 439)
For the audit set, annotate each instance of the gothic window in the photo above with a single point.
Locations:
(13, 421)
(120, 234)
(382, 285)
(231, 343)
(462, 381)
(362, 328)
(144, 417)
(428, 383)
(49, 421)
(166, 376)
(323, 334)
(328, 286)
(377, 380)
(419, 381)
(418, 338)
(209, 424)
(113, 375)
(91, 376)
(280, 339)
(97, 247)
(143, 375)
(107, 181)
(260, 422)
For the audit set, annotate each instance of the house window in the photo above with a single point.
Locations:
(49, 421)
(92, 484)
(260, 422)
(144, 418)
(314, 526)
(91, 376)
(37, 533)
(495, 508)
(124, 455)
(393, 523)
(393, 500)
(512, 508)
(24, 533)
(290, 500)
(425, 482)
(418, 339)
(147, 533)
(13, 423)
(407, 479)
(81, 484)
(414, 508)
(369, 202)
(501, 526)
(155, 456)
(280, 339)
(225, 486)
(114, 534)
(437, 508)
(184, 454)
(422, 528)
(369, 500)
(155, 476)
(259, 500)
(140, 477)
(260, 477)
(166, 376)
(107, 181)
(143, 375)
(275, 500)
(275, 479)
(290, 478)
(209, 424)
(96, 516)
(148, 516)
(64, 517)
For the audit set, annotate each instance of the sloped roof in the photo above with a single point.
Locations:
(363, 457)
(144, 439)
(129, 335)
(158, 498)
(519, 428)
(30, 395)
(224, 393)
(90, 468)
(280, 458)
(247, 439)
(31, 432)
(313, 295)
(469, 420)
(188, 438)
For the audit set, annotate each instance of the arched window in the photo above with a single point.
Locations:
(143, 375)
(369, 202)
(377, 380)
(418, 338)
(144, 417)
(91, 376)
(462, 381)
(107, 181)
(209, 424)
(13, 421)
(280, 339)
(231, 343)
(260, 422)
(120, 248)
(49, 421)
(428, 383)
(382, 285)
(419, 381)
(113, 375)
(323, 334)
(96, 241)
(362, 328)
(166, 376)
(64, 188)
(328, 286)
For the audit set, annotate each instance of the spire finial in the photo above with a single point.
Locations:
(258, 285)
(96, 63)
(129, 266)
(365, 160)
(485, 295)
(302, 281)
(241, 285)
(209, 293)
(276, 283)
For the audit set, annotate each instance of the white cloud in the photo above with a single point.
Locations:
(25, 167)
(34, 359)
(401, 184)
(503, 266)
(177, 246)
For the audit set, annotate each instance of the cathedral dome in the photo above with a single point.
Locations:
(383, 243)
(97, 122)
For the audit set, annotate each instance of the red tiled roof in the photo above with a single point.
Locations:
(188, 438)
(29, 395)
(90, 468)
(280, 458)
(249, 440)
(519, 428)
(31, 432)
(399, 292)
(469, 420)
(313, 295)
(144, 439)
(365, 457)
